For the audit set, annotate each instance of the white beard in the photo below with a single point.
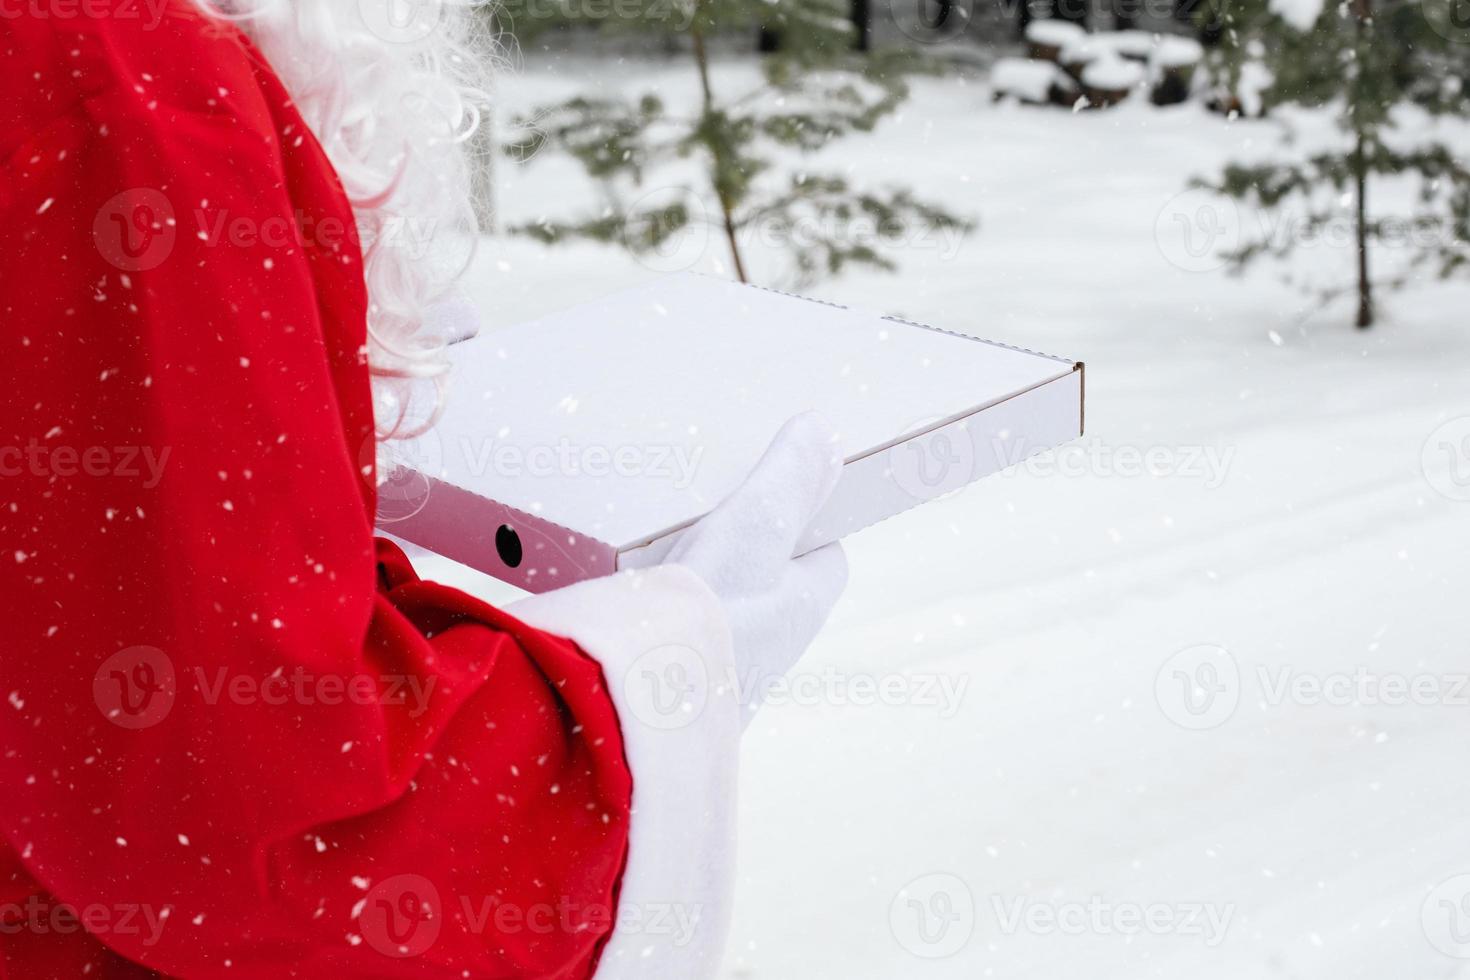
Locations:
(392, 89)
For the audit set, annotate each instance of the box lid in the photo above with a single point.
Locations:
(623, 418)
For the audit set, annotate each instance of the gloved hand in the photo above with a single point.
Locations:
(743, 550)
(454, 318)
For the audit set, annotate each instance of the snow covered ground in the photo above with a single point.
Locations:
(1090, 805)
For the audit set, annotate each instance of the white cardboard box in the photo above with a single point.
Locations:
(583, 443)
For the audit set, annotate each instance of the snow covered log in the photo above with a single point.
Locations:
(1132, 45)
(1107, 81)
(1031, 82)
(1046, 38)
(1172, 67)
(1247, 99)
(1082, 51)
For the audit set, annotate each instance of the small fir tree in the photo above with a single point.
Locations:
(1382, 66)
(815, 87)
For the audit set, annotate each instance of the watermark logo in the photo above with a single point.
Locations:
(1450, 19)
(1197, 230)
(135, 688)
(668, 230)
(1445, 916)
(401, 916)
(668, 687)
(1446, 459)
(135, 230)
(931, 21)
(1199, 687)
(933, 916)
(932, 465)
(402, 21)
(403, 468)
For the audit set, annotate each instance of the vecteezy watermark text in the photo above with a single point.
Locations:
(138, 687)
(672, 463)
(36, 458)
(402, 916)
(936, 915)
(41, 916)
(1201, 686)
(1210, 465)
(669, 687)
(150, 12)
(1098, 916)
(302, 687)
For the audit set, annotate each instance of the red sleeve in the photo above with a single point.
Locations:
(237, 736)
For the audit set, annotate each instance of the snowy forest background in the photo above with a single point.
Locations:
(1209, 667)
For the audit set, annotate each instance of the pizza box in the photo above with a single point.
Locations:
(585, 442)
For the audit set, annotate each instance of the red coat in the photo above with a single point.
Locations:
(240, 738)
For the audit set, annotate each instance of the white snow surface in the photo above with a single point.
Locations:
(1112, 72)
(1301, 14)
(1025, 78)
(1177, 52)
(1085, 48)
(1055, 33)
(1131, 44)
(1255, 79)
(1289, 518)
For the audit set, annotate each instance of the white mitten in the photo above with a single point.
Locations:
(454, 318)
(743, 550)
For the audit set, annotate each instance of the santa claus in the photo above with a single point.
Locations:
(243, 739)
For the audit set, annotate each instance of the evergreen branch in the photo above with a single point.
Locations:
(607, 136)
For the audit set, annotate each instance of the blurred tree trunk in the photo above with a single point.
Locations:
(1365, 285)
(1205, 16)
(768, 41)
(1363, 21)
(942, 12)
(483, 150)
(1073, 11)
(483, 147)
(862, 22)
(719, 165)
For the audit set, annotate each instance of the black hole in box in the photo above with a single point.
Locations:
(508, 546)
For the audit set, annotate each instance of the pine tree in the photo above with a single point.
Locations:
(1370, 61)
(815, 88)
